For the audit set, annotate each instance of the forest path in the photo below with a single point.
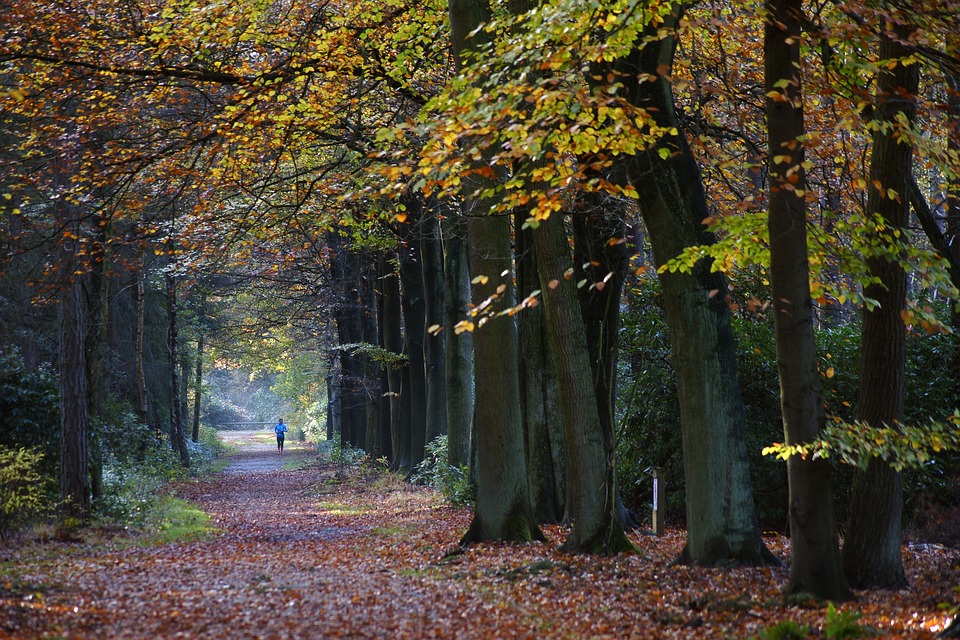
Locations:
(304, 549)
(256, 451)
(319, 550)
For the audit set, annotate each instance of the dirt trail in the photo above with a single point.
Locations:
(290, 562)
(253, 448)
(313, 550)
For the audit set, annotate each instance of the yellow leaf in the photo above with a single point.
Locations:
(830, 372)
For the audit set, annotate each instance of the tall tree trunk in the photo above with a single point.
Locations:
(721, 518)
(141, 401)
(502, 510)
(346, 271)
(539, 396)
(197, 388)
(412, 305)
(871, 549)
(384, 411)
(74, 477)
(431, 254)
(177, 440)
(503, 504)
(393, 344)
(953, 200)
(371, 369)
(459, 346)
(601, 261)
(815, 556)
(98, 311)
(595, 522)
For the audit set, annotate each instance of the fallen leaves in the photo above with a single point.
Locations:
(329, 551)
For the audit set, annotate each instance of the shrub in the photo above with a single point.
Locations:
(435, 472)
(29, 404)
(345, 454)
(649, 434)
(843, 624)
(786, 630)
(22, 492)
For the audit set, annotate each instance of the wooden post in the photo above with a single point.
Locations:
(658, 506)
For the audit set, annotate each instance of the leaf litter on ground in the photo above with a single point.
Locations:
(328, 551)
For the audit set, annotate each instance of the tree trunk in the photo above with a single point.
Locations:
(953, 204)
(431, 253)
(603, 267)
(393, 344)
(502, 510)
(74, 477)
(503, 505)
(412, 306)
(595, 522)
(871, 550)
(538, 394)
(197, 388)
(141, 403)
(371, 369)
(815, 557)
(97, 304)
(177, 440)
(721, 519)
(601, 261)
(459, 347)
(346, 272)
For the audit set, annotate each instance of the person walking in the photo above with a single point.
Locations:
(280, 429)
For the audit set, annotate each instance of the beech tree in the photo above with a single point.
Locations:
(871, 549)
(721, 521)
(815, 565)
(503, 510)
(556, 137)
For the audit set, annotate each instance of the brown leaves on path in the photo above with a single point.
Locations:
(328, 551)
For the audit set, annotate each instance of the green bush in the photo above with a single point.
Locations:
(786, 630)
(130, 489)
(648, 414)
(343, 453)
(435, 472)
(30, 406)
(843, 624)
(22, 491)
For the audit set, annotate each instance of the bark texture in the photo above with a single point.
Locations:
(871, 550)
(722, 527)
(459, 347)
(503, 505)
(542, 418)
(431, 252)
(815, 555)
(178, 440)
(595, 523)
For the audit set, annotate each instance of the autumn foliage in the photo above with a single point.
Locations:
(332, 551)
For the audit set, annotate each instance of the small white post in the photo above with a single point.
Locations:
(658, 492)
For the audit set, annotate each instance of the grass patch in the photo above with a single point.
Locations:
(339, 509)
(176, 520)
